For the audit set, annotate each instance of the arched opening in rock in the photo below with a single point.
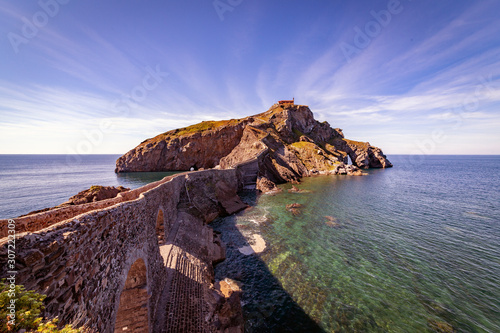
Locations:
(132, 313)
(160, 228)
(349, 161)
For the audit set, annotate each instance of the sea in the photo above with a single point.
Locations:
(33, 182)
(413, 248)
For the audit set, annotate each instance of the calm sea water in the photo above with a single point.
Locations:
(32, 182)
(416, 249)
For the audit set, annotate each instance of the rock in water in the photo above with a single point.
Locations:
(294, 205)
(332, 222)
(294, 208)
(95, 193)
(295, 189)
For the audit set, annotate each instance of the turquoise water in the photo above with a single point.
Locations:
(411, 249)
(32, 182)
(416, 246)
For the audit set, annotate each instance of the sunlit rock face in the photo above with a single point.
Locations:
(285, 143)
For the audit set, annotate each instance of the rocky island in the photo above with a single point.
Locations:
(286, 140)
(141, 260)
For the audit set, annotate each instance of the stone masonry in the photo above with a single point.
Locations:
(137, 265)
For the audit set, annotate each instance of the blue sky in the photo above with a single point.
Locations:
(412, 77)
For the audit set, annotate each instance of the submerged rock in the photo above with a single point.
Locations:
(294, 208)
(295, 189)
(257, 244)
(357, 173)
(294, 205)
(440, 326)
(332, 222)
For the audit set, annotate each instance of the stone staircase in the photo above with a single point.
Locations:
(185, 309)
(182, 307)
(249, 173)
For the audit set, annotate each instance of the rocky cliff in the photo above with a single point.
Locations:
(286, 140)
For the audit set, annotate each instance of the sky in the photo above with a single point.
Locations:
(97, 77)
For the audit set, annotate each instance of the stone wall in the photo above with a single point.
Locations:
(87, 263)
(44, 219)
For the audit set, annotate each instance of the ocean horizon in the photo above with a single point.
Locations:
(31, 182)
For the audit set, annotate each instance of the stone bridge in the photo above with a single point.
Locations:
(141, 262)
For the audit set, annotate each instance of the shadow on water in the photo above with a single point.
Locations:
(409, 255)
(267, 306)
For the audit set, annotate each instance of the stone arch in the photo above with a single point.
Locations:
(160, 227)
(132, 315)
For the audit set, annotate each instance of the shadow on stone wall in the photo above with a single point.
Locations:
(82, 264)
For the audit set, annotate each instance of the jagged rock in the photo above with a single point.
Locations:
(227, 287)
(294, 205)
(304, 138)
(294, 208)
(266, 186)
(248, 147)
(228, 198)
(362, 154)
(286, 142)
(207, 199)
(229, 312)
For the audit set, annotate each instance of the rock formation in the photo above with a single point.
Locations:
(93, 194)
(143, 259)
(286, 140)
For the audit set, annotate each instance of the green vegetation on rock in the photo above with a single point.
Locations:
(304, 145)
(297, 132)
(28, 308)
(203, 126)
(358, 144)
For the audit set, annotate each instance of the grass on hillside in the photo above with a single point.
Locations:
(358, 144)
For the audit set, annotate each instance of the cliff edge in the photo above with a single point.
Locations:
(286, 141)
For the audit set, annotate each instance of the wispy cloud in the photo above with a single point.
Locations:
(431, 73)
